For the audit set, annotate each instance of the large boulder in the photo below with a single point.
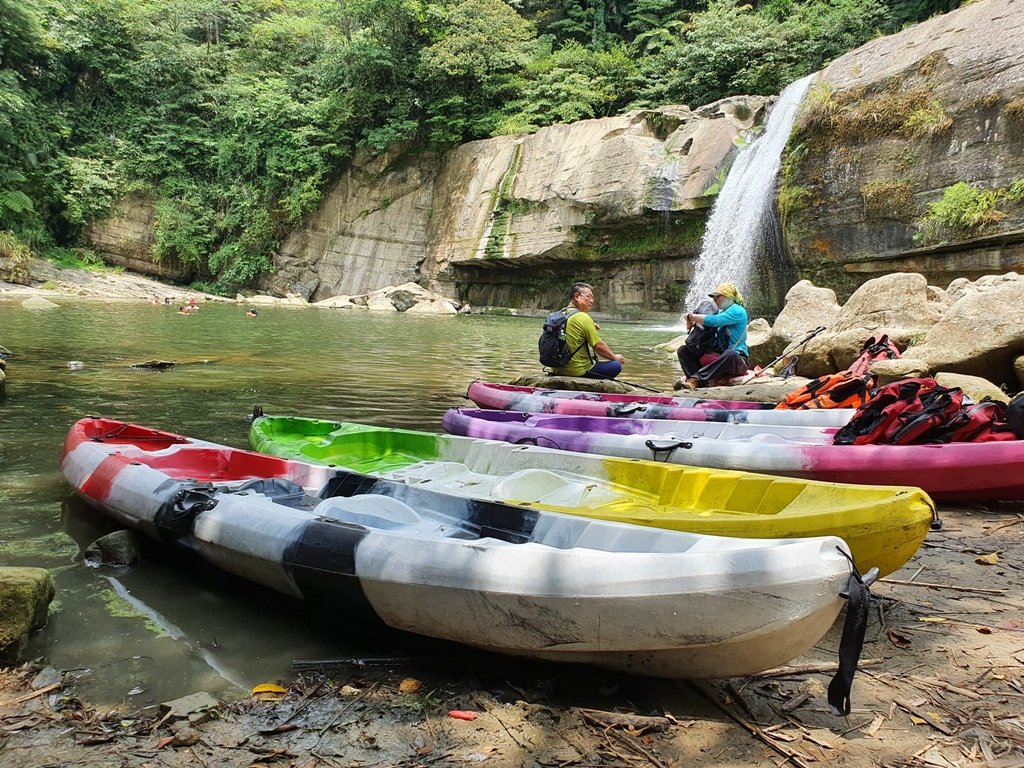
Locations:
(25, 595)
(974, 387)
(899, 305)
(982, 333)
(807, 307)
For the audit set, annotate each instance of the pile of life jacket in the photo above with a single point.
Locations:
(919, 411)
(847, 389)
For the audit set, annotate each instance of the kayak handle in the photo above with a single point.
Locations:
(536, 441)
(867, 580)
(667, 447)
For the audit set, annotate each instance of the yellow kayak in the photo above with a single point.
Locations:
(883, 525)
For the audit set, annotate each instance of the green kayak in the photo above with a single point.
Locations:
(883, 525)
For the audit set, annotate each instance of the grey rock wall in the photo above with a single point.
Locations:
(887, 128)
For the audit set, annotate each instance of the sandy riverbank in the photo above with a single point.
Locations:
(942, 684)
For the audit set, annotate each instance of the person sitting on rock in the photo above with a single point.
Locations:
(732, 357)
(581, 335)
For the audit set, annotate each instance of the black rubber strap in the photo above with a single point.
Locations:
(668, 448)
(852, 642)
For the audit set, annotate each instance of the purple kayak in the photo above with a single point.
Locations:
(508, 397)
(952, 471)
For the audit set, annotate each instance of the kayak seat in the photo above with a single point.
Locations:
(530, 485)
(276, 489)
(369, 510)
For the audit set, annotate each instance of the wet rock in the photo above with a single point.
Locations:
(187, 705)
(38, 302)
(889, 371)
(576, 383)
(156, 365)
(25, 595)
(46, 677)
(117, 548)
(184, 735)
(5, 353)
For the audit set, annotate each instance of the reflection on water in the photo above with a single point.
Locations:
(167, 627)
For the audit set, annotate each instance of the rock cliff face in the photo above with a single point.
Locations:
(513, 221)
(126, 240)
(932, 114)
(887, 128)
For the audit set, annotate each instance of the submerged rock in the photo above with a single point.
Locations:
(117, 548)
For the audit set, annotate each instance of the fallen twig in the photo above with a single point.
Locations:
(605, 719)
(954, 587)
(34, 694)
(918, 712)
(823, 668)
(798, 758)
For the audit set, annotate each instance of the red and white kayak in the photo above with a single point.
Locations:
(509, 397)
(514, 579)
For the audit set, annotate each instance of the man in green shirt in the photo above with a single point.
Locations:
(581, 336)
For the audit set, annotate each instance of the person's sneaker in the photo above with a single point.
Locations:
(684, 383)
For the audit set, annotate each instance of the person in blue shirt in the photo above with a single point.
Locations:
(730, 324)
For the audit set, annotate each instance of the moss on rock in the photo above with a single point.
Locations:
(25, 595)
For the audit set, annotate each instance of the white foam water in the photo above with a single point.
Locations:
(742, 214)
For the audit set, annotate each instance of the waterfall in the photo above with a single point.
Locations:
(742, 234)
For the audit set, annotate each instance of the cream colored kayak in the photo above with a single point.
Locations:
(884, 526)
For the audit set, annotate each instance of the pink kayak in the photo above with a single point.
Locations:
(509, 397)
(966, 471)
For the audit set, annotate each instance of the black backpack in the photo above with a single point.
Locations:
(553, 349)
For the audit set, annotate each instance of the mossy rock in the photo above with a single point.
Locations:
(25, 595)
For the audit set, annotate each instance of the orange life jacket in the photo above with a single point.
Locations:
(845, 389)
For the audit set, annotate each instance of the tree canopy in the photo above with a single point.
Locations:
(235, 115)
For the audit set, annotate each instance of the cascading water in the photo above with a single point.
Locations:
(742, 232)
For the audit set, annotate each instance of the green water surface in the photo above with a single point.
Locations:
(167, 627)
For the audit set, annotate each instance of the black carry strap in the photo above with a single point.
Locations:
(858, 598)
(667, 447)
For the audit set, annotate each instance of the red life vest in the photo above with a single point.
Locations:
(917, 411)
(878, 347)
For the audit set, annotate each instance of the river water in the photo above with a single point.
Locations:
(168, 627)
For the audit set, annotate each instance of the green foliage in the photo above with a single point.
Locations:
(857, 116)
(929, 120)
(14, 259)
(964, 211)
(235, 117)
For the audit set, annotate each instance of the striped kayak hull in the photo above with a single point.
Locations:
(510, 397)
(520, 581)
(883, 526)
(950, 471)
